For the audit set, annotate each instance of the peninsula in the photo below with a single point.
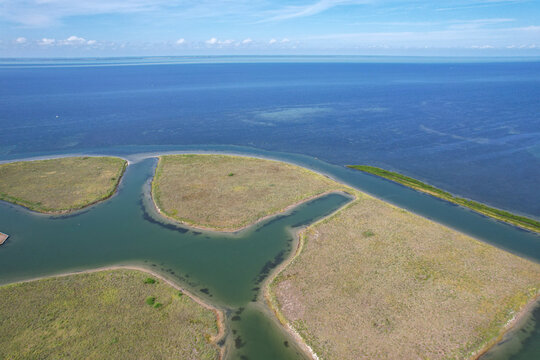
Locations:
(228, 193)
(517, 220)
(60, 185)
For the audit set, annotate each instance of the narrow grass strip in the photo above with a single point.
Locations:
(517, 220)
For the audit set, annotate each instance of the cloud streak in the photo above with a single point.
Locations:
(463, 37)
(291, 12)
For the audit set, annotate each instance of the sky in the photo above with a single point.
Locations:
(81, 28)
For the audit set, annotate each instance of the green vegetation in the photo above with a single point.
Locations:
(60, 185)
(150, 300)
(222, 192)
(368, 233)
(149, 280)
(103, 315)
(498, 214)
(376, 282)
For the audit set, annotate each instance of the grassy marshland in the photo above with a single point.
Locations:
(60, 185)
(103, 315)
(377, 282)
(498, 214)
(229, 192)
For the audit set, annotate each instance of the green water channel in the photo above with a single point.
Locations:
(226, 270)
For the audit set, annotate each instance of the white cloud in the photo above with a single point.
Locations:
(76, 41)
(285, 40)
(46, 42)
(215, 41)
(180, 41)
(20, 40)
(247, 41)
(72, 40)
(482, 47)
(272, 41)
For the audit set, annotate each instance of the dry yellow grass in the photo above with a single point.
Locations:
(112, 314)
(377, 282)
(229, 192)
(60, 185)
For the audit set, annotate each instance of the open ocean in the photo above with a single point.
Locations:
(472, 128)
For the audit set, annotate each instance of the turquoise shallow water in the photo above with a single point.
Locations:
(224, 269)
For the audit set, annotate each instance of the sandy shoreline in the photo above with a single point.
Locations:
(220, 316)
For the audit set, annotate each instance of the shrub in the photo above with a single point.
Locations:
(151, 300)
(149, 281)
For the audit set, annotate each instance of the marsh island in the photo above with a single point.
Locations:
(60, 185)
(347, 276)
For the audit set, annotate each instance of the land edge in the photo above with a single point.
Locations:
(435, 195)
(509, 326)
(195, 226)
(220, 316)
(272, 302)
(268, 294)
(78, 208)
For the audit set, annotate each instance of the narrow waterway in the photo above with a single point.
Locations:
(226, 269)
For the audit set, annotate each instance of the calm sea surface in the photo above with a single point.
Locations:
(470, 127)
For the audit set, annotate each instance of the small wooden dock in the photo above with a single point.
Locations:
(3, 237)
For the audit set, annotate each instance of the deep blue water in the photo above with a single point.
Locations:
(470, 128)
